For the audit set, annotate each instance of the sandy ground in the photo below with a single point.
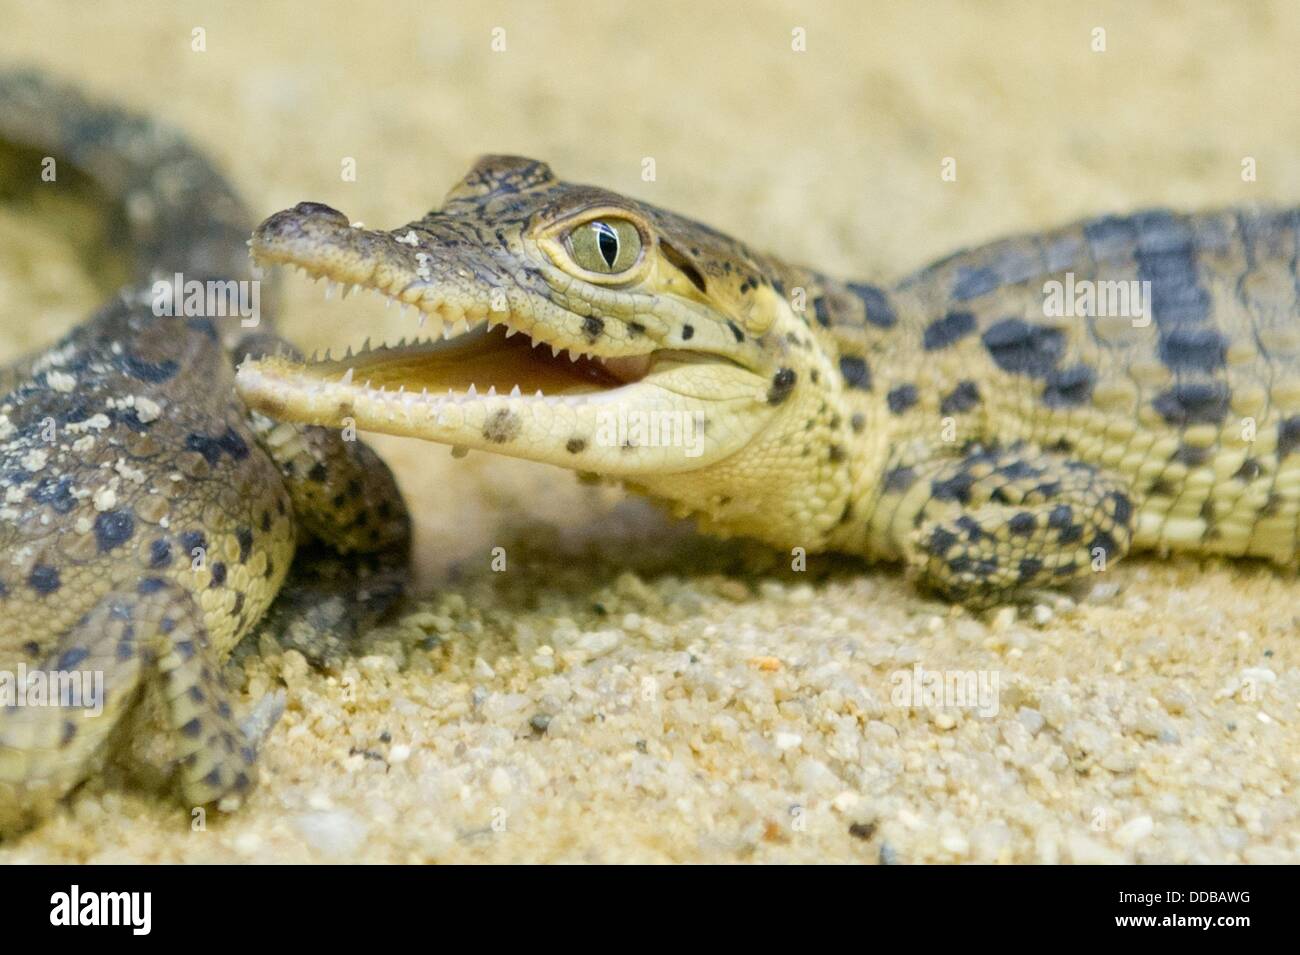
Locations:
(626, 690)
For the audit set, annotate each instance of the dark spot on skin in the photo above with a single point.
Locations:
(1060, 517)
(238, 608)
(57, 494)
(1104, 542)
(1161, 487)
(858, 422)
(972, 528)
(113, 528)
(212, 448)
(72, 657)
(213, 779)
(962, 398)
(154, 373)
(318, 473)
(339, 501)
(945, 331)
(956, 488)
(1185, 404)
(1190, 456)
(245, 538)
(194, 540)
(1030, 567)
(1248, 471)
(1022, 524)
(1066, 570)
(1196, 349)
(193, 728)
(502, 426)
(1060, 446)
(43, 579)
(855, 372)
(901, 398)
(218, 574)
(1069, 387)
(816, 376)
(1020, 348)
(1288, 436)
(150, 585)
(575, 445)
(1123, 508)
(972, 283)
(735, 330)
(940, 541)
(879, 312)
(688, 332)
(636, 328)
(782, 384)
(184, 649)
(836, 454)
(592, 327)
(160, 554)
(819, 309)
(899, 479)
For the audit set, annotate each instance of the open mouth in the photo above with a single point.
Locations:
(492, 364)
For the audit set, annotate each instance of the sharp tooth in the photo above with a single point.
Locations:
(473, 392)
(365, 346)
(355, 288)
(446, 333)
(492, 391)
(573, 356)
(555, 351)
(460, 328)
(347, 377)
(405, 308)
(330, 288)
(514, 392)
(424, 317)
(539, 394)
(511, 331)
(348, 353)
(387, 301)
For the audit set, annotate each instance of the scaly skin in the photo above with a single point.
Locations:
(948, 420)
(148, 517)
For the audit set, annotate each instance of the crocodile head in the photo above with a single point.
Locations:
(571, 325)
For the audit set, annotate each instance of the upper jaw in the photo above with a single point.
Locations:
(455, 275)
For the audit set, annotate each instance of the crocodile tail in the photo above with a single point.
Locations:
(171, 210)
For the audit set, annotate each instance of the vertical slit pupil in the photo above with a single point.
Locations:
(607, 242)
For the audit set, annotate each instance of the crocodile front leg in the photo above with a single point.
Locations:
(988, 523)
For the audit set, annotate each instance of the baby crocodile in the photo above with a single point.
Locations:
(147, 518)
(1012, 417)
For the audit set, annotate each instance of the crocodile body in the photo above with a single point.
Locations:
(148, 518)
(983, 420)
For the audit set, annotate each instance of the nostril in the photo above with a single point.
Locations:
(319, 209)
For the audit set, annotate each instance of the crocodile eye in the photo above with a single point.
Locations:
(608, 246)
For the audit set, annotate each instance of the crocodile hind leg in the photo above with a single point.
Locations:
(992, 522)
(44, 749)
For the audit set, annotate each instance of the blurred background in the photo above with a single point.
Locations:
(829, 154)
